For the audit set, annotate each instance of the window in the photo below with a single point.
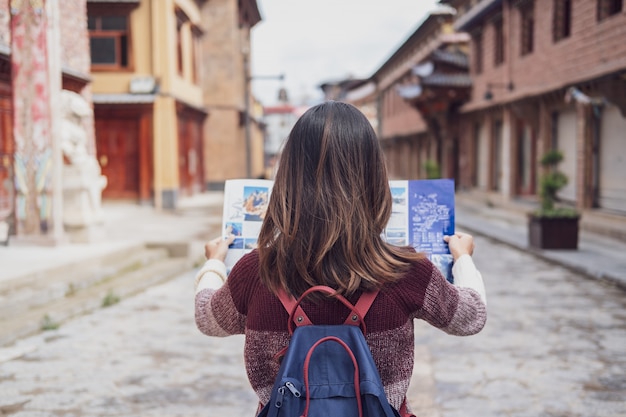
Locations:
(498, 41)
(109, 41)
(607, 8)
(527, 24)
(108, 37)
(179, 44)
(196, 55)
(562, 20)
(478, 51)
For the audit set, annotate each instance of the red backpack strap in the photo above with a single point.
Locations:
(362, 306)
(404, 410)
(299, 318)
(359, 310)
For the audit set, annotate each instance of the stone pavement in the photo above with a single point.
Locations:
(141, 357)
(553, 345)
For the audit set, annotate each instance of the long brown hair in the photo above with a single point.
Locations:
(329, 205)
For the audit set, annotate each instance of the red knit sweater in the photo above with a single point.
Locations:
(245, 306)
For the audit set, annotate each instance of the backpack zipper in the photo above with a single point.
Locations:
(292, 388)
(282, 391)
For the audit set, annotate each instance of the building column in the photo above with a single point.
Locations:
(584, 153)
(38, 190)
(508, 155)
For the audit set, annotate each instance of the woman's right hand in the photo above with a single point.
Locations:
(217, 248)
(460, 244)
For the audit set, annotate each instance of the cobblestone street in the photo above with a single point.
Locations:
(141, 357)
(553, 346)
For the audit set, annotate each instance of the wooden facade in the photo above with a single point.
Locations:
(148, 98)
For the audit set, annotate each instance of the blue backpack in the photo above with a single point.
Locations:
(328, 370)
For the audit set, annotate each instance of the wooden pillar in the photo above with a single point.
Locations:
(35, 153)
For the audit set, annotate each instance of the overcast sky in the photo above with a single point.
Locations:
(315, 41)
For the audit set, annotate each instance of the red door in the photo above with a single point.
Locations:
(117, 142)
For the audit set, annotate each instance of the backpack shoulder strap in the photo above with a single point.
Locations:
(362, 306)
(300, 318)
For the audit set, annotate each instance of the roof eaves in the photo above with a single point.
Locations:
(479, 11)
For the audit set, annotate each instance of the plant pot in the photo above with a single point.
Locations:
(553, 232)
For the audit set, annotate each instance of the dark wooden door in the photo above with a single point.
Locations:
(117, 142)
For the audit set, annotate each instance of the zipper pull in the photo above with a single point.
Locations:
(281, 396)
(293, 389)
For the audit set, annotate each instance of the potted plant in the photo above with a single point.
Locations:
(553, 226)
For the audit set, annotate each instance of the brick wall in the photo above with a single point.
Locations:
(593, 49)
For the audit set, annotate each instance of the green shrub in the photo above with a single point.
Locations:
(110, 299)
(48, 324)
(550, 183)
(432, 170)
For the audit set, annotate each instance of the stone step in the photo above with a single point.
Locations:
(130, 275)
(36, 289)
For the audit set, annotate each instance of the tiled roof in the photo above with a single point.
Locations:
(447, 80)
(457, 58)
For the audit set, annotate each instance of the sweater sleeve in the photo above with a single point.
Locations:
(456, 310)
(222, 311)
(216, 314)
(466, 275)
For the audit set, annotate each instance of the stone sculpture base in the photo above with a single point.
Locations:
(82, 208)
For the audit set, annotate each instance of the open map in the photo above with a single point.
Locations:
(423, 212)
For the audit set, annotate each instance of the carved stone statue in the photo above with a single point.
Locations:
(82, 179)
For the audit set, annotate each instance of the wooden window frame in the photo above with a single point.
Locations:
(527, 27)
(608, 8)
(561, 20)
(107, 9)
(478, 47)
(498, 41)
(181, 20)
(196, 52)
